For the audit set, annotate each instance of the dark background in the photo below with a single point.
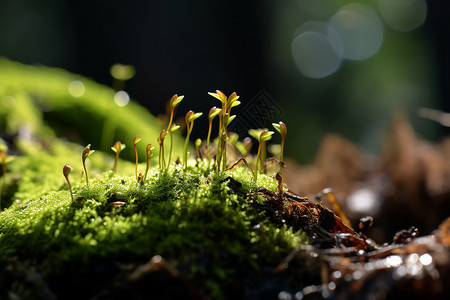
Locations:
(194, 47)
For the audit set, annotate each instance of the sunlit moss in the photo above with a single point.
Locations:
(181, 214)
(200, 221)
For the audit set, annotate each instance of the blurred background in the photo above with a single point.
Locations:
(320, 66)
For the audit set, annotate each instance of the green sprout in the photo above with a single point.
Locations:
(173, 102)
(117, 148)
(86, 153)
(162, 136)
(173, 128)
(148, 149)
(66, 171)
(213, 112)
(282, 129)
(136, 140)
(198, 143)
(262, 136)
(224, 120)
(190, 117)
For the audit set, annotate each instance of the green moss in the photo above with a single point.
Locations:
(182, 215)
(202, 222)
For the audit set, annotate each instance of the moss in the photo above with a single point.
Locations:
(202, 222)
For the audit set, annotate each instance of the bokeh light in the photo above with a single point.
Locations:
(403, 15)
(121, 98)
(313, 52)
(76, 88)
(122, 72)
(359, 30)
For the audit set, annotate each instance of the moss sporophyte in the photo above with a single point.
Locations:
(136, 140)
(66, 171)
(282, 129)
(225, 119)
(262, 135)
(189, 118)
(117, 148)
(148, 150)
(160, 140)
(86, 153)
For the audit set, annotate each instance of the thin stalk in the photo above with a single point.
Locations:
(70, 188)
(219, 143)
(137, 160)
(186, 143)
(170, 149)
(281, 157)
(148, 149)
(207, 141)
(86, 174)
(257, 162)
(116, 162)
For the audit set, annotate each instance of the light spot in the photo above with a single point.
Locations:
(426, 259)
(393, 261)
(363, 201)
(336, 274)
(284, 295)
(121, 98)
(359, 29)
(76, 88)
(122, 72)
(313, 52)
(403, 15)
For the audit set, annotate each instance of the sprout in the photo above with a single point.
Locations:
(189, 118)
(173, 128)
(148, 149)
(224, 121)
(282, 129)
(264, 136)
(136, 140)
(117, 148)
(198, 143)
(213, 112)
(162, 136)
(86, 153)
(173, 102)
(66, 171)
